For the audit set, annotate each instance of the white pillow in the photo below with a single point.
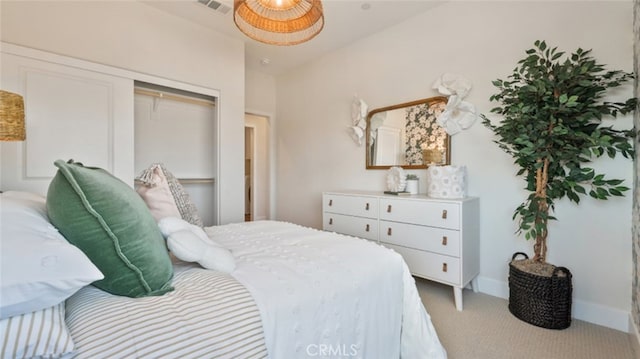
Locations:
(39, 267)
(41, 334)
(190, 243)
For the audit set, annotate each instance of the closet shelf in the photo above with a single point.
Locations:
(196, 180)
(191, 180)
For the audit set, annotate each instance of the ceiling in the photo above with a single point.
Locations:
(345, 22)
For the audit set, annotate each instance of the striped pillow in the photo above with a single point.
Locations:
(42, 333)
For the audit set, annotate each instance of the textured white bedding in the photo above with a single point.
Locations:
(327, 295)
(296, 293)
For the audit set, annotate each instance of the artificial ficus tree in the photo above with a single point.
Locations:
(553, 109)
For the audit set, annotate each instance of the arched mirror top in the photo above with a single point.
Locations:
(407, 135)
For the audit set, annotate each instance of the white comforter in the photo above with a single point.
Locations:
(327, 295)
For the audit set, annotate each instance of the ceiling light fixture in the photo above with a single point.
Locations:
(279, 22)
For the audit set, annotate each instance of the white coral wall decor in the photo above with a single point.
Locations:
(458, 114)
(359, 110)
(451, 84)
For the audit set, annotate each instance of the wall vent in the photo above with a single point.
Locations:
(216, 5)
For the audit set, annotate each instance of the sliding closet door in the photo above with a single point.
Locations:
(177, 129)
(71, 113)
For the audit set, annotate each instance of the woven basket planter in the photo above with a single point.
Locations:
(539, 300)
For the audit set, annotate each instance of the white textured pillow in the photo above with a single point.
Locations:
(41, 334)
(39, 267)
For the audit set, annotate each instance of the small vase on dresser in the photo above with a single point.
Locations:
(438, 238)
(412, 186)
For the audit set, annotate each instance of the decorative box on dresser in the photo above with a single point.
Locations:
(438, 238)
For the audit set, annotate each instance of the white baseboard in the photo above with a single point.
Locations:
(635, 336)
(496, 288)
(602, 315)
(589, 312)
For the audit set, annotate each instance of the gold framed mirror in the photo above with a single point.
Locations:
(407, 135)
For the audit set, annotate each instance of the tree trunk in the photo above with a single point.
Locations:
(542, 177)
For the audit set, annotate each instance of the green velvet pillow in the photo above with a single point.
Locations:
(112, 225)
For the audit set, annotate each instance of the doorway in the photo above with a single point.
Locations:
(257, 167)
(249, 144)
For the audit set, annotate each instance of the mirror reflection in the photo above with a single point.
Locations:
(407, 135)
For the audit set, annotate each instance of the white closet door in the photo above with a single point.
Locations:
(70, 114)
(180, 135)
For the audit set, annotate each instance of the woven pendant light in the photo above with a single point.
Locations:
(279, 22)
(11, 117)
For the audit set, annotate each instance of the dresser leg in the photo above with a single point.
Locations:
(457, 296)
(474, 285)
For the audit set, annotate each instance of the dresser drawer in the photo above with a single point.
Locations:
(430, 265)
(437, 214)
(361, 206)
(355, 226)
(433, 239)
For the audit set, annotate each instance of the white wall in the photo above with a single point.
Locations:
(260, 92)
(481, 41)
(137, 37)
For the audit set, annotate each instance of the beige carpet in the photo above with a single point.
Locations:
(485, 329)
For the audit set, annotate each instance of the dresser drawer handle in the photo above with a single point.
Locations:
(444, 267)
(389, 209)
(367, 228)
(330, 220)
(444, 214)
(389, 231)
(330, 202)
(444, 240)
(367, 207)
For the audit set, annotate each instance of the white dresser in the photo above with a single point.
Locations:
(438, 238)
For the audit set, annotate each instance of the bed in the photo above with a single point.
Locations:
(295, 292)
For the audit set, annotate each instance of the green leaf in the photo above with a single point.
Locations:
(615, 192)
(602, 193)
(614, 182)
(563, 98)
(543, 46)
(573, 197)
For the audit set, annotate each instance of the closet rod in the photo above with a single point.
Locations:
(159, 94)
